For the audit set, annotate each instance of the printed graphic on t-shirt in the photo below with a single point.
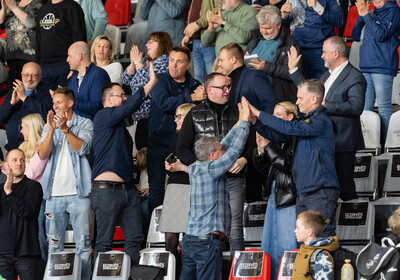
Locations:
(49, 21)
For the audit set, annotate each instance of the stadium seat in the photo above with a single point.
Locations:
(159, 258)
(393, 135)
(251, 264)
(391, 185)
(253, 222)
(366, 175)
(112, 264)
(286, 265)
(114, 33)
(3, 141)
(384, 208)
(155, 238)
(355, 223)
(64, 265)
(371, 129)
(396, 88)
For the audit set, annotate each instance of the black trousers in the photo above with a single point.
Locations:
(344, 164)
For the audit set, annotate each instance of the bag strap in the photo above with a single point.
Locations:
(311, 269)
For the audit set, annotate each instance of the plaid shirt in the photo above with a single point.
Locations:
(209, 198)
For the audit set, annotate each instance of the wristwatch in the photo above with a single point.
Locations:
(223, 24)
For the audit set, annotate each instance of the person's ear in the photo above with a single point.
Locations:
(291, 117)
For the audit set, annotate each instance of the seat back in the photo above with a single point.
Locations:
(251, 264)
(355, 223)
(371, 129)
(159, 258)
(384, 208)
(114, 33)
(137, 17)
(3, 142)
(64, 265)
(286, 264)
(253, 221)
(118, 12)
(366, 175)
(396, 87)
(391, 185)
(112, 264)
(155, 238)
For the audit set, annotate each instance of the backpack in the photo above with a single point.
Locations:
(376, 262)
(338, 256)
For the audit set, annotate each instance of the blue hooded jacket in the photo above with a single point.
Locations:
(378, 51)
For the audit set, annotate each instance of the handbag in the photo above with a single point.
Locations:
(147, 272)
(284, 194)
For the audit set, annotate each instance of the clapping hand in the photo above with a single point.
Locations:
(261, 142)
(362, 7)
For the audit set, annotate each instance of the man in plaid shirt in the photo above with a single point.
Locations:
(210, 216)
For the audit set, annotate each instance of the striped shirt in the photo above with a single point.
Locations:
(209, 198)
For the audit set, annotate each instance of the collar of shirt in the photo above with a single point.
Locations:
(334, 74)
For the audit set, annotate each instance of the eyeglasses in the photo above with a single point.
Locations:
(178, 117)
(30, 75)
(119, 95)
(224, 88)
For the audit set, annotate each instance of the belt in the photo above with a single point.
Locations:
(211, 236)
(111, 185)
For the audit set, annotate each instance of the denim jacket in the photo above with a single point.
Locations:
(83, 128)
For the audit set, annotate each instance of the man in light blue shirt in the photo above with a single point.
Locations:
(66, 140)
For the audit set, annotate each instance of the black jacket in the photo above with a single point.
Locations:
(285, 89)
(21, 208)
(277, 163)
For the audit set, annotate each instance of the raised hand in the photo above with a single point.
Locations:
(9, 182)
(62, 120)
(20, 89)
(362, 7)
(152, 82)
(293, 58)
(286, 10)
(51, 122)
(136, 56)
(14, 98)
(11, 4)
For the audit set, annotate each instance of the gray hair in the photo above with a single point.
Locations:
(314, 87)
(204, 147)
(269, 13)
(337, 43)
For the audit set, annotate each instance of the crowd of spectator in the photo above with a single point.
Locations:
(206, 141)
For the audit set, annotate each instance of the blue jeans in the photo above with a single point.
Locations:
(43, 228)
(324, 201)
(111, 206)
(156, 155)
(11, 267)
(58, 208)
(312, 63)
(237, 193)
(202, 259)
(379, 86)
(278, 233)
(203, 60)
(54, 76)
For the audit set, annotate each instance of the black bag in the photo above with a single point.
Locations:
(284, 196)
(146, 272)
(339, 256)
(376, 262)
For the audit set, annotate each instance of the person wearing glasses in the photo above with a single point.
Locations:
(214, 118)
(27, 97)
(113, 195)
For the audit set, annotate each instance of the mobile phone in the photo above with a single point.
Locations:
(171, 158)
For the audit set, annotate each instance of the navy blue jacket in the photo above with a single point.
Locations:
(39, 101)
(314, 147)
(88, 95)
(317, 28)
(264, 2)
(254, 85)
(167, 95)
(378, 51)
(112, 143)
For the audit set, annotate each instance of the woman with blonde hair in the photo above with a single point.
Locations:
(102, 55)
(176, 203)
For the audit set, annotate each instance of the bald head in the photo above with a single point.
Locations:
(31, 75)
(79, 56)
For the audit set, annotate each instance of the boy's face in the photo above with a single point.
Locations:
(301, 232)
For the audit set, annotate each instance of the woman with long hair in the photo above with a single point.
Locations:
(102, 55)
(136, 75)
